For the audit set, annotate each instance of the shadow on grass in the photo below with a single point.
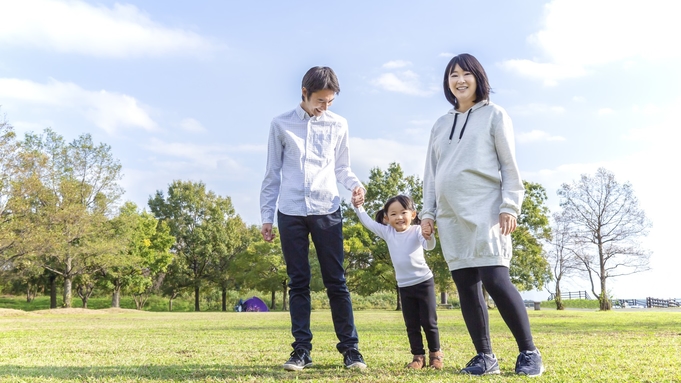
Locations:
(181, 372)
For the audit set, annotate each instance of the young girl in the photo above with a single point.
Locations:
(414, 277)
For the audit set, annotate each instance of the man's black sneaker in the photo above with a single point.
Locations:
(482, 364)
(300, 358)
(353, 359)
(529, 363)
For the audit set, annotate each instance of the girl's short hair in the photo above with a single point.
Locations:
(406, 203)
(470, 64)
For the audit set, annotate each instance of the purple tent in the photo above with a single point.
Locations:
(254, 304)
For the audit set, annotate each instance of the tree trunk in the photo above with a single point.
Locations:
(53, 291)
(224, 299)
(399, 301)
(558, 299)
(85, 302)
(196, 298)
(116, 297)
(67, 291)
(274, 296)
(28, 293)
(443, 297)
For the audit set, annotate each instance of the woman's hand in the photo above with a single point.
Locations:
(427, 228)
(507, 223)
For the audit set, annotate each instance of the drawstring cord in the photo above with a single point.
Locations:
(464, 125)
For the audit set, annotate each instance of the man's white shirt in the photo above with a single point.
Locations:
(306, 158)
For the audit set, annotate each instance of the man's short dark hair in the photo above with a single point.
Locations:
(320, 78)
(470, 64)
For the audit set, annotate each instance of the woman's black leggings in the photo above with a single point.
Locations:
(497, 282)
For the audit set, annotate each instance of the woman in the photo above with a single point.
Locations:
(472, 187)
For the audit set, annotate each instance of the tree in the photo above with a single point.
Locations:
(529, 267)
(562, 255)
(146, 255)
(228, 241)
(78, 189)
(608, 224)
(197, 219)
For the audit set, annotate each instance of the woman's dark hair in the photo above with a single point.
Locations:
(406, 203)
(320, 78)
(469, 64)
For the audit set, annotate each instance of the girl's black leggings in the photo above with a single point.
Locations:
(497, 282)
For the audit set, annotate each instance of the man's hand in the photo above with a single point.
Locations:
(358, 196)
(507, 223)
(427, 227)
(266, 232)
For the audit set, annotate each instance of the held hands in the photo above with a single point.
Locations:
(427, 228)
(358, 196)
(266, 232)
(507, 224)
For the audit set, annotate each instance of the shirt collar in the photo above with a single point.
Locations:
(302, 114)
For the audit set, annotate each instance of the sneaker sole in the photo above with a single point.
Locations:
(359, 365)
(532, 376)
(495, 372)
(293, 367)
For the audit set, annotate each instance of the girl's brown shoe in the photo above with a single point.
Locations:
(419, 361)
(435, 360)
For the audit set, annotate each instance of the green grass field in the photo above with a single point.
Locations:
(71, 345)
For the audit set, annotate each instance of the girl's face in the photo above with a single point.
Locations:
(398, 216)
(463, 85)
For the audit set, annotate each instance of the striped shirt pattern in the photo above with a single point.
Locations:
(306, 158)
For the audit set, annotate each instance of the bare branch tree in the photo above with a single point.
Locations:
(563, 254)
(608, 224)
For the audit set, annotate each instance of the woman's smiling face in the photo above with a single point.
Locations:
(463, 85)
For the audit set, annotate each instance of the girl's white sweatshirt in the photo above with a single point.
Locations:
(406, 250)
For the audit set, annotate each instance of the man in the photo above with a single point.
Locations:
(307, 155)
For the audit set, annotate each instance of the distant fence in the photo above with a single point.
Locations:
(648, 302)
(571, 295)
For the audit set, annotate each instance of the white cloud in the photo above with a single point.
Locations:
(191, 125)
(206, 156)
(605, 111)
(406, 82)
(579, 99)
(447, 54)
(549, 73)
(536, 135)
(396, 64)
(78, 27)
(535, 108)
(648, 109)
(109, 111)
(608, 31)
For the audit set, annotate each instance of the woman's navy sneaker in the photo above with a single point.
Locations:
(529, 363)
(482, 364)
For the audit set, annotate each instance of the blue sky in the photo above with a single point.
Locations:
(186, 90)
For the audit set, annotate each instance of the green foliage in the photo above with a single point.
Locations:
(205, 229)
(70, 189)
(529, 266)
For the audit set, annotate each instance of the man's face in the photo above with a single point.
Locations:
(316, 103)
